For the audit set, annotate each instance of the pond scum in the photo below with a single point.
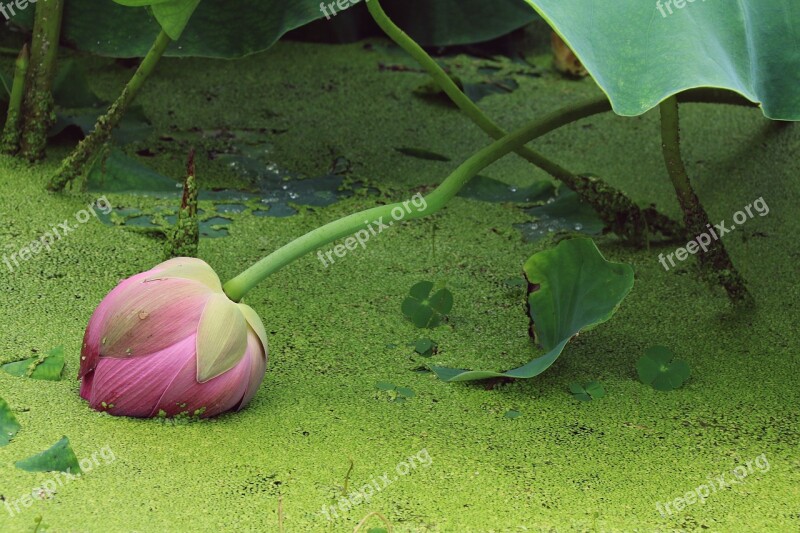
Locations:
(581, 320)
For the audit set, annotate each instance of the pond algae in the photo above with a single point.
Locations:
(557, 464)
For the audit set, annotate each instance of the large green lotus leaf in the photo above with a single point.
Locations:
(572, 289)
(641, 52)
(429, 23)
(173, 15)
(224, 29)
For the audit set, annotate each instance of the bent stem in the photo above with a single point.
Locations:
(617, 211)
(11, 133)
(716, 262)
(37, 108)
(74, 165)
(241, 284)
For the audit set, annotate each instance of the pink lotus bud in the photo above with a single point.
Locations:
(170, 340)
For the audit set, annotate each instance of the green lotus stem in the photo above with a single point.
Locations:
(241, 284)
(74, 165)
(11, 132)
(617, 211)
(460, 99)
(37, 109)
(716, 261)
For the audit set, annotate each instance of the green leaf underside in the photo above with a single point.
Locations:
(640, 56)
(577, 290)
(58, 458)
(173, 16)
(224, 29)
(8, 423)
(48, 368)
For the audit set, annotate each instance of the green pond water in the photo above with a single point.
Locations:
(334, 332)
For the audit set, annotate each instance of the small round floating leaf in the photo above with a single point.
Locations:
(421, 290)
(442, 301)
(512, 414)
(576, 388)
(58, 458)
(595, 390)
(425, 310)
(48, 367)
(659, 369)
(425, 347)
(406, 392)
(385, 385)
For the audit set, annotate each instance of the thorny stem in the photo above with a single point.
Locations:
(716, 262)
(241, 284)
(11, 132)
(74, 165)
(183, 239)
(37, 108)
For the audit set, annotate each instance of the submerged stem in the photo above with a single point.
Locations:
(74, 165)
(618, 212)
(621, 214)
(38, 106)
(11, 133)
(716, 261)
(241, 284)
(455, 94)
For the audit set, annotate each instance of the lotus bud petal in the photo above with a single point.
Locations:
(170, 341)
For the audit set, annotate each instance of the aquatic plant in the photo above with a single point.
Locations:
(172, 15)
(660, 369)
(169, 341)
